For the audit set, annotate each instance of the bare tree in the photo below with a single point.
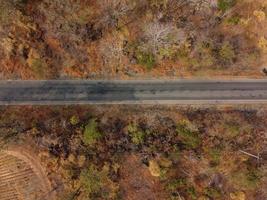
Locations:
(111, 50)
(112, 10)
(159, 35)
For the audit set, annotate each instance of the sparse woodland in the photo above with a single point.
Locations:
(139, 152)
(163, 153)
(43, 39)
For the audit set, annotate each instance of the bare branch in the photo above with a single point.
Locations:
(249, 154)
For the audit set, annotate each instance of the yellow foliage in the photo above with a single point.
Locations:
(203, 198)
(260, 15)
(244, 22)
(262, 44)
(164, 162)
(154, 168)
(81, 160)
(158, 3)
(71, 158)
(238, 196)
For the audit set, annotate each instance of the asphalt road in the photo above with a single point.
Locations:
(123, 92)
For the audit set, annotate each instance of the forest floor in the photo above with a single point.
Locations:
(145, 152)
(132, 39)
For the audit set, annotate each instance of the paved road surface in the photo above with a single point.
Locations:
(90, 92)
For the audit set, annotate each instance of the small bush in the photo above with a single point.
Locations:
(215, 155)
(158, 3)
(146, 59)
(239, 195)
(74, 120)
(227, 53)
(175, 184)
(91, 134)
(234, 20)
(260, 15)
(212, 193)
(183, 55)
(204, 57)
(192, 192)
(11, 10)
(39, 68)
(262, 44)
(4, 14)
(189, 138)
(224, 5)
(184, 51)
(96, 184)
(136, 135)
(167, 53)
(253, 177)
(247, 179)
(91, 181)
(232, 129)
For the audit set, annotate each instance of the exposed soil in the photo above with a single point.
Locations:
(136, 181)
(22, 176)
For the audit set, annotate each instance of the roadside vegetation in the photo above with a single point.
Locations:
(132, 38)
(149, 152)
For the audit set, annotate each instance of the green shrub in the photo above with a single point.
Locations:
(189, 138)
(168, 53)
(91, 181)
(224, 5)
(234, 20)
(247, 178)
(10, 10)
(136, 135)
(146, 59)
(191, 192)
(97, 183)
(232, 129)
(4, 14)
(39, 68)
(175, 184)
(212, 193)
(227, 53)
(204, 57)
(183, 51)
(215, 155)
(183, 55)
(253, 177)
(91, 133)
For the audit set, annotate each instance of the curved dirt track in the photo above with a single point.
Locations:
(22, 177)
